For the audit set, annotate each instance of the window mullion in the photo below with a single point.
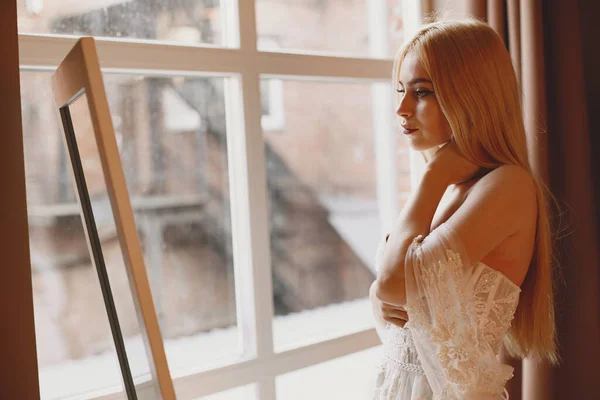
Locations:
(247, 25)
(385, 140)
(39, 52)
(386, 154)
(255, 300)
(249, 216)
(266, 388)
(254, 371)
(412, 18)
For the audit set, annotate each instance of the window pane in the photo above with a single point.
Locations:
(333, 26)
(189, 22)
(239, 393)
(350, 378)
(324, 215)
(110, 249)
(396, 24)
(171, 137)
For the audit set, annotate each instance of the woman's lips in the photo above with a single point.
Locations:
(407, 131)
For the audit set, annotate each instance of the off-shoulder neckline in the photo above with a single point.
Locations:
(501, 275)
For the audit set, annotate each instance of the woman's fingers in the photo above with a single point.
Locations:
(396, 321)
(394, 315)
(391, 313)
(399, 315)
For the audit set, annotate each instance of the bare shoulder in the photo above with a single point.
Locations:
(509, 177)
(500, 205)
(511, 192)
(511, 185)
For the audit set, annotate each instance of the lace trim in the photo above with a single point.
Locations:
(444, 395)
(405, 366)
(467, 323)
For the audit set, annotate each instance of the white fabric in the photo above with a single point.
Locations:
(458, 315)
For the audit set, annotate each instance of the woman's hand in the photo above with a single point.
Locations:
(450, 164)
(385, 312)
(395, 315)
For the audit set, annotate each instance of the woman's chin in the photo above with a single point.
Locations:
(427, 149)
(423, 147)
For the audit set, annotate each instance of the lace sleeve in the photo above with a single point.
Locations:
(458, 315)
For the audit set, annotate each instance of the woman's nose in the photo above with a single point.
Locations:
(403, 109)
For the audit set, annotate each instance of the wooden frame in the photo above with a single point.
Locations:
(78, 74)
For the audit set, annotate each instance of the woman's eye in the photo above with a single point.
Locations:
(417, 93)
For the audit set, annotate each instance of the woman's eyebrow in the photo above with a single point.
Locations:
(415, 81)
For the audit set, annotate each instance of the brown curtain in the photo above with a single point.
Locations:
(571, 35)
(18, 360)
(554, 47)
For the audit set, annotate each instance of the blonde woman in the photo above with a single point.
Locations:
(460, 277)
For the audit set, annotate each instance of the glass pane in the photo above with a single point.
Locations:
(171, 138)
(75, 349)
(324, 215)
(350, 378)
(240, 393)
(396, 24)
(186, 22)
(136, 365)
(333, 26)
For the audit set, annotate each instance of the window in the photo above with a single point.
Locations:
(332, 26)
(183, 22)
(262, 163)
(324, 215)
(271, 100)
(347, 377)
(271, 95)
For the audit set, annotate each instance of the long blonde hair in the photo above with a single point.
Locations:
(476, 87)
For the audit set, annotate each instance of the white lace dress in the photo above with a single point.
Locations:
(458, 314)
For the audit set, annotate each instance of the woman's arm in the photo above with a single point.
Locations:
(446, 167)
(414, 220)
(380, 323)
(385, 313)
(505, 198)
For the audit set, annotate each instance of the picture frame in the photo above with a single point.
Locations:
(79, 76)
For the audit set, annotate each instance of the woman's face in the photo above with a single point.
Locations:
(419, 112)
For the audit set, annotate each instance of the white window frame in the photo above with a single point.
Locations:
(246, 65)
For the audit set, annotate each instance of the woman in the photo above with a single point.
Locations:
(451, 273)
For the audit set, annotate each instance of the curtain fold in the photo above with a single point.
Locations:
(547, 41)
(573, 112)
(496, 16)
(514, 34)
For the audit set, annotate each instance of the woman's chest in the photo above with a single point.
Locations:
(450, 203)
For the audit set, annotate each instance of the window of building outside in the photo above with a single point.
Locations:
(260, 258)
(271, 95)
